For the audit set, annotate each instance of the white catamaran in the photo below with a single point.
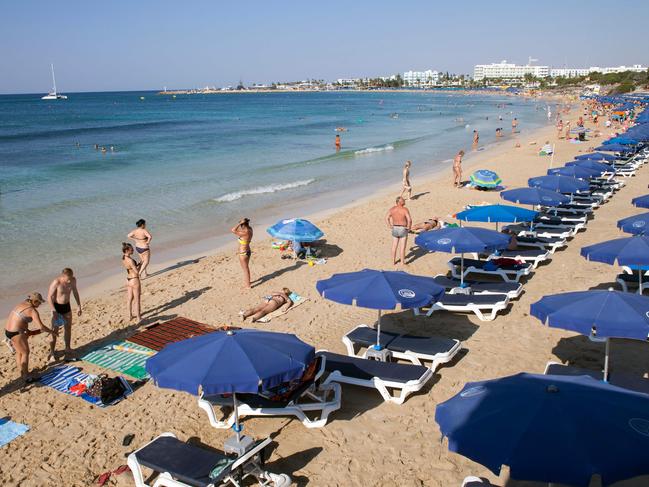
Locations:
(53, 95)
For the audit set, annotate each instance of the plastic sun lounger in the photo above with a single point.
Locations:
(403, 379)
(484, 306)
(452, 285)
(472, 481)
(541, 230)
(621, 380)
(552, 219)
(629, 282)
(508, 273)
(416, 349)
(549, 243)
(529, 256)
(180, 464)
(311, 397)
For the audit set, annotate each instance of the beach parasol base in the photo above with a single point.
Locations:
(238, 446)
(379, 354)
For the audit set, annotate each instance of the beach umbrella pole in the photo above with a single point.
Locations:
(462, 269)
(237, 428)
(378, 332)
(608, 349)
(639, 281)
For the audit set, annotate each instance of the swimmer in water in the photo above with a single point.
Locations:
(337, 142)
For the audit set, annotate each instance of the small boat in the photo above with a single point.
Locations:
(53, 95)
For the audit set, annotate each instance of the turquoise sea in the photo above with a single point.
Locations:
(192, 165)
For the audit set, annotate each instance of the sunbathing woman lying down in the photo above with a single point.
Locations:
(270, 303)
(426, 225)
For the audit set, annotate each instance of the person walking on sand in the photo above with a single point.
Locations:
(567, 125)
(243, 231)
(337, 142)
(457, 169)
(58, 296)
(514, 125)
(399, 222)
(407, 186)
(272, 302)
(17, 332)
(476, 138)
(133, 284)
(142, 239)
(559, 128)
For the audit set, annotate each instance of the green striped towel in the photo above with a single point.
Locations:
(122, 361)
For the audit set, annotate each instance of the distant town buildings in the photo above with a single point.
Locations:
(421, 79)
(508, 71)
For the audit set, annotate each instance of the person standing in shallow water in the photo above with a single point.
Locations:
(338, 142)
(243, 231)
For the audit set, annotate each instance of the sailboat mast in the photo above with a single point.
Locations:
(53, 79)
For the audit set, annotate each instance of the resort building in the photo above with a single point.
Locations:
(569, 72)
(573, 72)
(421, 79)
(506, 71)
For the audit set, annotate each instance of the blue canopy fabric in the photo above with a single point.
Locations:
(641, 201)
(381, 290)
(237, 361)
(296, 229)
(497, 213)
(534, 196)
(621, 251)
(590, 164)
(561, 184)
(457, 240)
(596, 156)
(615, 148)
(547, 428)
(623, 140)
(636, 225)
(577, 172)
(601, 313)
(485, 178)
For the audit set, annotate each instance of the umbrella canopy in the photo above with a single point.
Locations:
(497, 213)
(636, 225)
(630, 251)
(623, 140)
(296, 229)
(589, 164)
(550, 428)
(561, 184)
(641, 201)
(456, 240)
(596, 156)
(485, 178)
(534, 196)
(380, 290)
(615, 148)
(230, 362)
(578, 172)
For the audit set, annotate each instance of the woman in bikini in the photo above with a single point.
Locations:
(243, 231)
(17, 332)
(271, 303)
(133, 286)
(457, 169)
(142, 239)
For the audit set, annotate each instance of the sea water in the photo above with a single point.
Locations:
(193, 165)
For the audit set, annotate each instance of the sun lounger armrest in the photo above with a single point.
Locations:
(257, 449)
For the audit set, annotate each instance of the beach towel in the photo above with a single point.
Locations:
(123, 357)
(9, 430)
(156, 336)
(62, 377)
(297, 301)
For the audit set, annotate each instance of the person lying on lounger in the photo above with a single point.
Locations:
(270, 303)
(426, 225)
(513, 242)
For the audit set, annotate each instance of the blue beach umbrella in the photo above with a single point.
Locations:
(560, 184)
(597, 313)
(458, 240)
(497, 214)
(296, 229)
(641, 201)
(636, 225)
(623, 140)
(549, 428)
(380, 290)
(615, 148)
(596, 156)
(578, 172)
(534, 196)
(589, 164)
(233, 362)
(485, 178)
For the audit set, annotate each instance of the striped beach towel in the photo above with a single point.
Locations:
(60, 377)
(9, 430)
(123, 357)
(158, 335)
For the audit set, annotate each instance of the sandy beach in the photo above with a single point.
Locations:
(367, 442)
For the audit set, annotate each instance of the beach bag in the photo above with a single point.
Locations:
(107, 389)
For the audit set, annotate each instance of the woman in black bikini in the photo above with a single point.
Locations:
(133, 287)
(142, 239)
(17, 333)
(271, 303)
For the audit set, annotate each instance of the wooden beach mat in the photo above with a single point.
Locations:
(158, 335)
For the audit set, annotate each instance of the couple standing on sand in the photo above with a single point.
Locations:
(136, 271)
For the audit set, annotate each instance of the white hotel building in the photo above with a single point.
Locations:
(421, 79)
(505, 70)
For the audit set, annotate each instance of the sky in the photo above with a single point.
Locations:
(144, 44)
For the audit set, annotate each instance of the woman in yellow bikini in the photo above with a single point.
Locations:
(243, 231)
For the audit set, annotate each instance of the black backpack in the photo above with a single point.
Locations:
(108, 389)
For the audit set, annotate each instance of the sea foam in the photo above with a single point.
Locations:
(273, 188)
(370, 150)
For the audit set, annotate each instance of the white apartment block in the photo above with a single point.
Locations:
(421, 79)
(505, 70)
(572, 72)
(569, 72)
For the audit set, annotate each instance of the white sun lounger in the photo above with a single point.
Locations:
(629, 282)
(402, 379)
(549, 243)
(484, 306)
(316, 399)
(530, 256)
(513, 290)
(540, 231)
(472, 481)
(509, 273)
(416, 349)
(180, 464)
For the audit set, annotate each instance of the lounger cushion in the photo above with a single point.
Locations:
(475, 299)
(529, 253)
(433, 345)
(541, 240)
(366, 336)
(481, 263)
(187, 463)
(364, 369)
(477, 286)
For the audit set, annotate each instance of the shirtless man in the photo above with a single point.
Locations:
(58, 296)
(407, 187)
(457, 169)
(399, 221)
(142, 239)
